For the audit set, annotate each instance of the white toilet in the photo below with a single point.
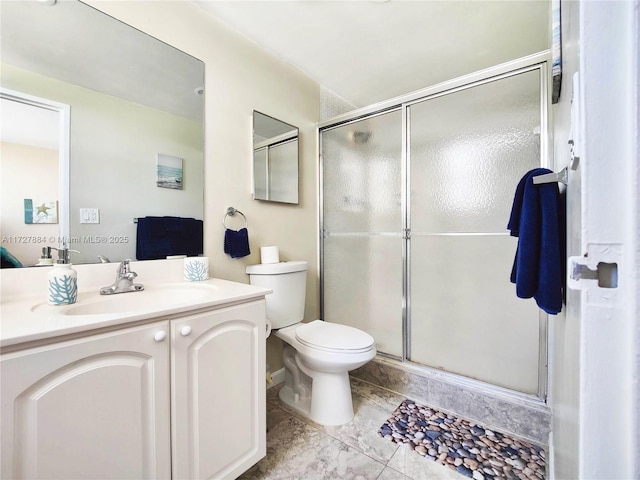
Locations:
(318, 355)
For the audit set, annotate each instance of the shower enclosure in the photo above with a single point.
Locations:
(415, 198)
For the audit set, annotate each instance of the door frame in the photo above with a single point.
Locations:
(64, 125)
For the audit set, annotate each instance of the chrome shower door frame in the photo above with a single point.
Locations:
(534, 62)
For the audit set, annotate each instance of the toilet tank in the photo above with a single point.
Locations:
(288, 280)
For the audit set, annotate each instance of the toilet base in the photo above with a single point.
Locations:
(330, 402)
(302, 405)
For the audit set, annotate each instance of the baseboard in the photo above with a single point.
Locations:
(277, 378)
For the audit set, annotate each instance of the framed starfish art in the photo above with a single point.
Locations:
(37, 211)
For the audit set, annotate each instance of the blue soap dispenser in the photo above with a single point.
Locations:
(63, 280)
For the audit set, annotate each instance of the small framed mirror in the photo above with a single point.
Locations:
(275, 160)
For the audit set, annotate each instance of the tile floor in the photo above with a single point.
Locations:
(300, 449)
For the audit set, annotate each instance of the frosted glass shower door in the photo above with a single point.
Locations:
(468, 150)
(362, 228)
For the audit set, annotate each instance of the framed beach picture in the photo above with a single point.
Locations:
(169, 171)
(40, 211)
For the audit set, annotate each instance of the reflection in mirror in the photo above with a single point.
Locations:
(275, 160)
(133, 99)
(35, 146)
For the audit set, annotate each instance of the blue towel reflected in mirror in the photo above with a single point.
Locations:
(160, 237)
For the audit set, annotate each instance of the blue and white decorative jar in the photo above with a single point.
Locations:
(63, 285)
(196, 269)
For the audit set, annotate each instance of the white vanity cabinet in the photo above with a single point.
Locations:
(218, 392)
(93, 407)
(181, 398)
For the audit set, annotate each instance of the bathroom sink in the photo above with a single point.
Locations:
(28, 317)
(158, 297)
(153, 297)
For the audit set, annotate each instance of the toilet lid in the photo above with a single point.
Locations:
(334, 337)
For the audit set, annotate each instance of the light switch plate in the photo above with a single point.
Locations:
(89, 215)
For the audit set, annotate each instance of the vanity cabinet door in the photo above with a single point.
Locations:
(94, 407)
(218, 392)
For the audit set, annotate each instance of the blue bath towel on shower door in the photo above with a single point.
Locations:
(538, 220)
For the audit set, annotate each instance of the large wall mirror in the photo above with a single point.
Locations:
(275, 160)
(135, 110)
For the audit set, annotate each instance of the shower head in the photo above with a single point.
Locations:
(360, 137)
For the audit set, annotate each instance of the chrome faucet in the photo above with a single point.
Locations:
(124, 281)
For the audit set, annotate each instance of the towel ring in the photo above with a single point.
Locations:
(230, 213)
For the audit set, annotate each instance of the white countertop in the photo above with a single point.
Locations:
(28, 317)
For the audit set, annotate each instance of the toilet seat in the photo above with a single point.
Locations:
(333, 337)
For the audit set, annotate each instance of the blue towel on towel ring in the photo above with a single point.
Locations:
(538, 220)
(236, 243)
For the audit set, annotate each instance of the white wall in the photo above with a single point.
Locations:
(240, 78)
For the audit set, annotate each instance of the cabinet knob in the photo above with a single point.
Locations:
(160, 336)
(186, 330)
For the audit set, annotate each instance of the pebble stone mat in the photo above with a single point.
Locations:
(470, 449)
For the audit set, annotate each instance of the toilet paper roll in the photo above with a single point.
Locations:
(269, 254)
(268, 327)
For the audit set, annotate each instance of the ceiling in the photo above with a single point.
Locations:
(363, 51)
(368, 51)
